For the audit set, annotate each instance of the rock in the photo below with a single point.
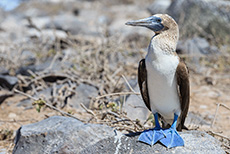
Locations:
(196, 46)
(4, 94)
(159, 6)
(40, 22)
(24, 69)
(13, 27)
(47, 34)
(26, 103)
(28, 57)
(71, 24)
(59, 134)
(12, 115)
(4, 71)
(7, 81)
(135, 107)
(195, 142)
(42, 66)
(83, 94)
(209, 19)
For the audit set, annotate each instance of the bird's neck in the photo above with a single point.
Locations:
(162, 44)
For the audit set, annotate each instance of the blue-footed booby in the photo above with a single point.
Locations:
(164, 81)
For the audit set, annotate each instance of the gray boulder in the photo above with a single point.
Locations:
(209, 19)
(67, 135)
(58, 134)
(196, 46)
(195, 142)
(136, 108)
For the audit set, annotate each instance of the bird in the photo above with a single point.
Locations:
(163, 80)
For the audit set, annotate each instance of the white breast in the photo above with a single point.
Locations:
(162, 86)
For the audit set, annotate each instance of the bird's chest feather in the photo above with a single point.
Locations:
(162, 68)
(162, 86)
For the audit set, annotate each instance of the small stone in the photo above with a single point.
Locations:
(7, 81)
(4, 94)
(12, 115)
(84, 93)
(203, 106)
(28, 57)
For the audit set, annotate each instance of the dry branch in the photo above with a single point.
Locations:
(130, 87)
(88, 110)
(217, 108)
(217, 134)
(115, 94)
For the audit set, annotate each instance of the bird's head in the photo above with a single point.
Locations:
(157, 23)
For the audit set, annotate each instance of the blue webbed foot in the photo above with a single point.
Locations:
(172, 139)
(151, 136)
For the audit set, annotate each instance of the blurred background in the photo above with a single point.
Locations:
(79, 57)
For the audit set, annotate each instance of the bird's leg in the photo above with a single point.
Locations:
(151, 136)
(172, 139)
(157, 124)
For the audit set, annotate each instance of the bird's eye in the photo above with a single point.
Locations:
(158, 20)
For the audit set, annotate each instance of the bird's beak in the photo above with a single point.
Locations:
(153, 23)
(140, 22)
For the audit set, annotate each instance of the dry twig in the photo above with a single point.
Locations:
(88, 110)
(217, 134)
(120, 93)
(217, 108)
(130, 87)
(16, 121)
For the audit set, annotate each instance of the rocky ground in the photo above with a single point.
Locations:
(78, 59)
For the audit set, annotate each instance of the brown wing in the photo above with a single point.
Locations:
(142, 81)
(182, 75)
